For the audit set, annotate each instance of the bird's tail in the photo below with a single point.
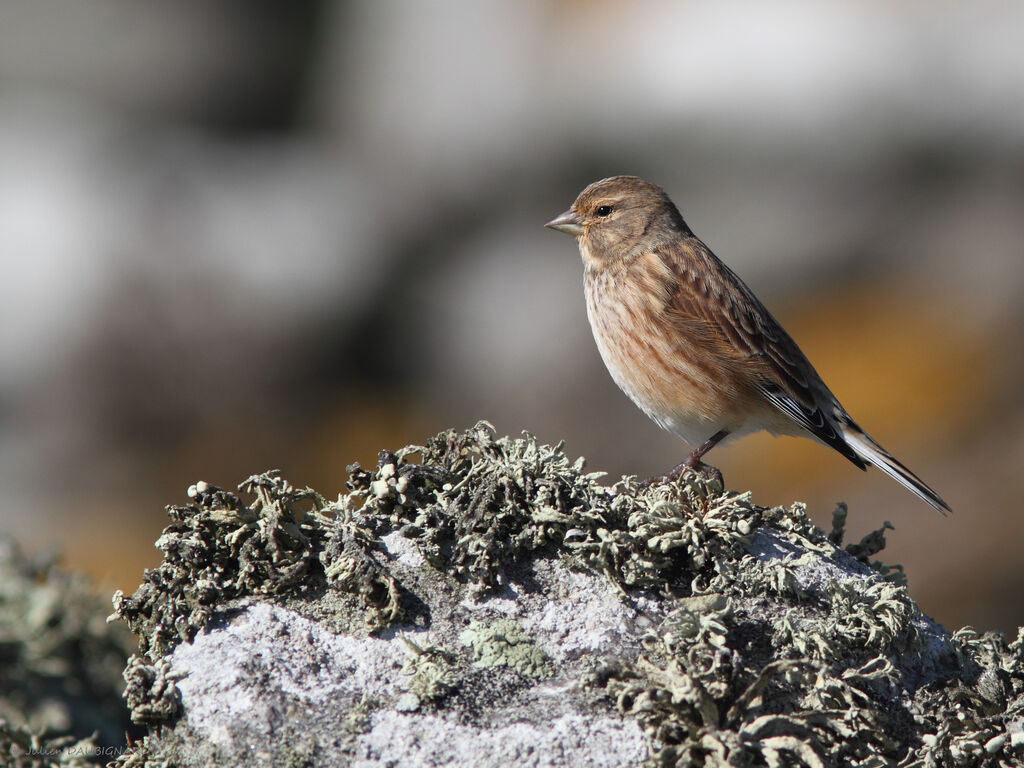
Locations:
(875, 454)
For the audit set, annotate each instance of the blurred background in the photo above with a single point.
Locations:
(252, 234)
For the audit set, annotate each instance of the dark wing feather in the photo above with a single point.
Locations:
(711, 301)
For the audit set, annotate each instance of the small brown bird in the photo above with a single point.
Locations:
(690, 343)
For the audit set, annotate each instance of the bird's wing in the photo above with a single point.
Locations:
(710, 304)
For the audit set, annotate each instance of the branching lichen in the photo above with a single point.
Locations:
(219, 549)
(432, 672)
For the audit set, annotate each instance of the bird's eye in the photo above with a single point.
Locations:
(603, 210)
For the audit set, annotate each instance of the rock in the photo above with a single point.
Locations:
(485, 601)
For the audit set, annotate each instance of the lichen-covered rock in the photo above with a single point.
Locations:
(24, 747)
(485, 601)
(60, 664)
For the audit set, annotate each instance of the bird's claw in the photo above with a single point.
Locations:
(697, 468)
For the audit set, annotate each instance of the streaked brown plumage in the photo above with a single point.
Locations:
(689, 342)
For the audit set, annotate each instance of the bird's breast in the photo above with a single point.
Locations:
(675, 380)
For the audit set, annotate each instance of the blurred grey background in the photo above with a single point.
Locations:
(253, 234)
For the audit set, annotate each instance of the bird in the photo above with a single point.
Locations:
(685, 338)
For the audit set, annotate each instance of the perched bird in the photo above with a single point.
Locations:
(690, 343)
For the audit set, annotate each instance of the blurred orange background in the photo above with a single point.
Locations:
(245, 235)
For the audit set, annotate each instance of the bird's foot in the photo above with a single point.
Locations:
(697, 467)
(712, 473)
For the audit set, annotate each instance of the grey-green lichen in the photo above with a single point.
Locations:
(432, 672)
(505, 644)
(773, 646)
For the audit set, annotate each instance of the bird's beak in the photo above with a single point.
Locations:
(568, 222)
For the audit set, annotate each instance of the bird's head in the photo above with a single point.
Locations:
(620, 217)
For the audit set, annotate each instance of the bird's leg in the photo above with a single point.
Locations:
(693, 462)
